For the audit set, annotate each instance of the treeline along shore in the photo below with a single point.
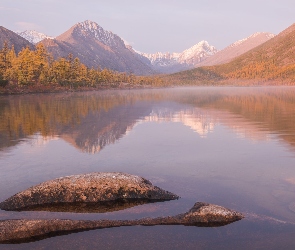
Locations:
(37, 71)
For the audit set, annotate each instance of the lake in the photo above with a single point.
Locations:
(230, 146)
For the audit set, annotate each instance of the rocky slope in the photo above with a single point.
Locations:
(96, 47)
(12, 38)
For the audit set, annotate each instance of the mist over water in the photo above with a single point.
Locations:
(234, 147)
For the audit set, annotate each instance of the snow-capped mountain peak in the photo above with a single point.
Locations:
(200, 50)
(91, 28)
(189, 57)
(33, 36)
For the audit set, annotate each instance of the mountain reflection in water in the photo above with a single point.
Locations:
(90, 121)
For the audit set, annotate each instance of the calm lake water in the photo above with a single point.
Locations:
(229, 146)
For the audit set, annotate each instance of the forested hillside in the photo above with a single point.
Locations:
(31, 67)
(273, 62)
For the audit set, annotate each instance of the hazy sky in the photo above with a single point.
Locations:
(154, 25)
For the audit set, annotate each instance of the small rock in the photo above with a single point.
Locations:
(210, 214)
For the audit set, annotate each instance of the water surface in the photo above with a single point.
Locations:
(233, 147)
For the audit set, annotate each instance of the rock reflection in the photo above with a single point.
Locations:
(90, 207)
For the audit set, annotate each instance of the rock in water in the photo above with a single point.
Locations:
(202, 214)
(209, 214)
(87, 188)
(21, 231)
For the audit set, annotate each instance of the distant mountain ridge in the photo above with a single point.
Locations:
(96, 47)
(272, 59)
(33, 36)
(237, 48)
(173, 62)
(271, 62)
(14, 39)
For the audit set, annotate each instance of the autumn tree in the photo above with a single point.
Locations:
(38, 67)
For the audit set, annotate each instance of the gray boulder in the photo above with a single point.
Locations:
(86, 189)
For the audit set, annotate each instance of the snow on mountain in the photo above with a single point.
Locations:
(266, 35)
(106, 37)
(237, 48)
(33, 36)
(179, 61)
(197, 53)
(96, 47)
(162, 59)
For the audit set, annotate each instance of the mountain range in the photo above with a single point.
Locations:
(96, 47)
(173, 62)
(271, 62)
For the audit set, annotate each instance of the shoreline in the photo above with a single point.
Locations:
(44, 89)
(47, 89)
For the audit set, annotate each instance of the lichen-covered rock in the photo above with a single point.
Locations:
(202, 214)
(87, 188)
(210, 214)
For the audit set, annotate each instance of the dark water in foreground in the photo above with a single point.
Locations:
(233, 147)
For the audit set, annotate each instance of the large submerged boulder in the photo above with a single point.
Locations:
(202, 214)
(87, 188)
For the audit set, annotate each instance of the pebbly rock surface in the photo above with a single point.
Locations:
(209, 214)
(202, 214)
(21, 231)
(87, 188)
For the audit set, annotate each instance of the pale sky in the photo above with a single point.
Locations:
(154, 25)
